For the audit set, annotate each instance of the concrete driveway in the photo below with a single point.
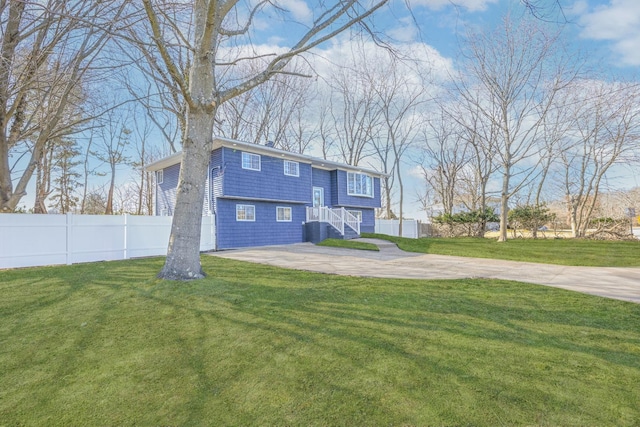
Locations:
(618, 283)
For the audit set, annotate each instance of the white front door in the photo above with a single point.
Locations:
(318, 197)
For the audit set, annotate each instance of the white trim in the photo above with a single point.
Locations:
(244, 207)
(313, 190)
(252, 157)
(261, 199)
(284, 216)
(160, 176)
(291, 162)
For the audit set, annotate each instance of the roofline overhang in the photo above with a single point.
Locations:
(219, 142)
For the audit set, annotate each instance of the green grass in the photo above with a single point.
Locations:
(349, 244)
(107, 344)
(579, 252)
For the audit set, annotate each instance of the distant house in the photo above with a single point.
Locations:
(261, 195)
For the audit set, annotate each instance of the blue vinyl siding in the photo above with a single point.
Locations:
(265, 230)
(166, 197)
(334, 188)
(269, 183)
(322, 178)
(368, 224)
(267, 189)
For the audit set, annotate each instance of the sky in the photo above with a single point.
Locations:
(605, 32)
(608, 29)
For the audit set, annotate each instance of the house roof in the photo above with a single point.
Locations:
(267, 151)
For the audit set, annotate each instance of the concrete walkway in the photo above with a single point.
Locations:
(618, 283)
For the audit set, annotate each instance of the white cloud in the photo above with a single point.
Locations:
(471, 5)
(347, 52)
(298, 8)
(617, 22)
(406, 32)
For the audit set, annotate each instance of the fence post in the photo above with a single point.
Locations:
(126, 243)
(68, 243)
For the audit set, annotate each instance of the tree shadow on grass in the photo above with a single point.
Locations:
(260, 345)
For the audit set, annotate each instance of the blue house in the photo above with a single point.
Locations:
(260, 195)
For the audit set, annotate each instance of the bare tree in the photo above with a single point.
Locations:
(480, 137)
(94, 202)
(64, 197)
(513, 75)
(443, 157)
(47, 50)
(273, 111)
(145, 154)
(399, 97)
(114, 138)
(217, 38)
(605, 131)
(87, 171)
(164, 110)
(354, 114)
(397, 92)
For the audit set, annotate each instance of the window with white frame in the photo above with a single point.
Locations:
(245, 213)
(251, 161)
(160, 176)
(283, 214)
(359, 184)
(291, 168)
(357, 214)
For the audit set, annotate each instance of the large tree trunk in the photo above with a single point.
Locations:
(183, 256)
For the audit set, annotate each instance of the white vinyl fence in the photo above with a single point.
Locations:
(28, 240)
(410, 227)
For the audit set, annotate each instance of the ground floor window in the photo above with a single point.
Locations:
(357, 214)
(245, 213)
(283, 214)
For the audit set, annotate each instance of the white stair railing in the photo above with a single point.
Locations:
(351, 220)
(336, 217)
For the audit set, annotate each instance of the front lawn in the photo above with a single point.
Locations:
(349, 244)
(579, 252)
(107, 344)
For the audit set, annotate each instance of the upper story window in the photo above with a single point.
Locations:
(251, 161)
(291, 168)
(359, 184)
(160, 176)
(245, 213)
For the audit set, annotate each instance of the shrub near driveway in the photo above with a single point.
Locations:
(578, 252)
(107, 344)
